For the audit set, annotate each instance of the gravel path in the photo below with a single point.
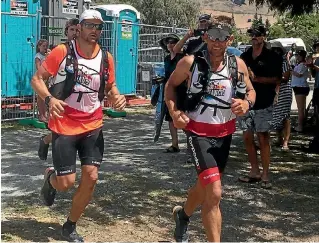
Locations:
(139, 185)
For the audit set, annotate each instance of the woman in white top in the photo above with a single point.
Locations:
(42, 51)
(300, 86)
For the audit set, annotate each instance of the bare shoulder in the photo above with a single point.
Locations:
(186, 62)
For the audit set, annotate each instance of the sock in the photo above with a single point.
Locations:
(183, 215)
(69, 225)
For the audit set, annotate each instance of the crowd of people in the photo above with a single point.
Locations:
(209, 86)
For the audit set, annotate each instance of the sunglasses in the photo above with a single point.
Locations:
(218, 34)
(171, 41)
(91, 26)
(221, 39)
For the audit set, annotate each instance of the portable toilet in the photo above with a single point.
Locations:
(120, 38)
(20, 26)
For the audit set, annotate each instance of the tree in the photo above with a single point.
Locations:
(304, 26)
(260, 20)
(267, 24)
(293, 6)
(233, 23)
(183, 13)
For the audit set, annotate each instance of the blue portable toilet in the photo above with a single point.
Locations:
(121, 39)
(20, 25)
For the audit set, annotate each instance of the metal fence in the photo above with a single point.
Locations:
(51, 28)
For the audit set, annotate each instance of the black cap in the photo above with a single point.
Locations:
(258, 29)
(277, 44)
(302, 53)
(163, 41)
(204, 17)
(219, 31)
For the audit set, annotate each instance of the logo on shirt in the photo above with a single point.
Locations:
(216, 89)
(84, 78)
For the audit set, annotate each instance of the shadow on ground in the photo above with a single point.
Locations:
(139, 185)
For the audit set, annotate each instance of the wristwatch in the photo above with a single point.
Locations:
(250, 104)
(47, 101)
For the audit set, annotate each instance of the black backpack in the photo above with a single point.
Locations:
(64, 89)
(188, 101)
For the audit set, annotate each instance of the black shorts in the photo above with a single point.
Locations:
(210, 155)
(90, 147)
(301, 90)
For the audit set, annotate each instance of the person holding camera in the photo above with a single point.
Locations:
(193, 40)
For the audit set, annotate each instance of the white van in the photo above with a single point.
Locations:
(287, 42)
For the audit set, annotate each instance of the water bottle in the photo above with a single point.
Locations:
(240, 90)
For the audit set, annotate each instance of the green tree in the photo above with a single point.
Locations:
(260, 20)
(267, 24)
(304, 26)
(183, 13)
(293, 6)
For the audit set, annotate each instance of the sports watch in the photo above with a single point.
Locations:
(250, 104)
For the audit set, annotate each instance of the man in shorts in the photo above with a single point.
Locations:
(265, 72)
(70, 32)
(76, 121)
(209, 126)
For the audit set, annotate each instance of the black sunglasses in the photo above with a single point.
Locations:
(91, 26)
(217, 34)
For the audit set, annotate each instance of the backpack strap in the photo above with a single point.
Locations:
(104, 74)
(71, 69)
(233, 69)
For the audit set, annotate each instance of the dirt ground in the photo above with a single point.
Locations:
(139, 185)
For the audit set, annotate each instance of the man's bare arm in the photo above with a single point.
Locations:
(111, 90)
(180, 74)
(179, 45)
(38, 83)
(250, 93)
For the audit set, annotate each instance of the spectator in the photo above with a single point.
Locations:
(170, 61)
(42, 51)
(281, 115)
(300, 86)
(265, 71)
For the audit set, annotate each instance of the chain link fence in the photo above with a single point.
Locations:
(150, 57)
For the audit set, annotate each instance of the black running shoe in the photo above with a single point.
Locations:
(70, 234)
(43, 149)
(47, 191)
(180, 233)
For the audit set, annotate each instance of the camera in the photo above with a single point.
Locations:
(199, 32)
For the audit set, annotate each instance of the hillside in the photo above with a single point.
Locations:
(241, 13)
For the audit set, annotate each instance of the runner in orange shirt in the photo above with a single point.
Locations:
(76, 117)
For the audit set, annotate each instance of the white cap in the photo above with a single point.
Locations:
(90, 14)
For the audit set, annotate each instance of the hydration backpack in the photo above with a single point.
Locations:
(64, 89)
(191, 101)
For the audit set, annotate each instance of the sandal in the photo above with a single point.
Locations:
(265, 184)
(172, 149)
(249, 179)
